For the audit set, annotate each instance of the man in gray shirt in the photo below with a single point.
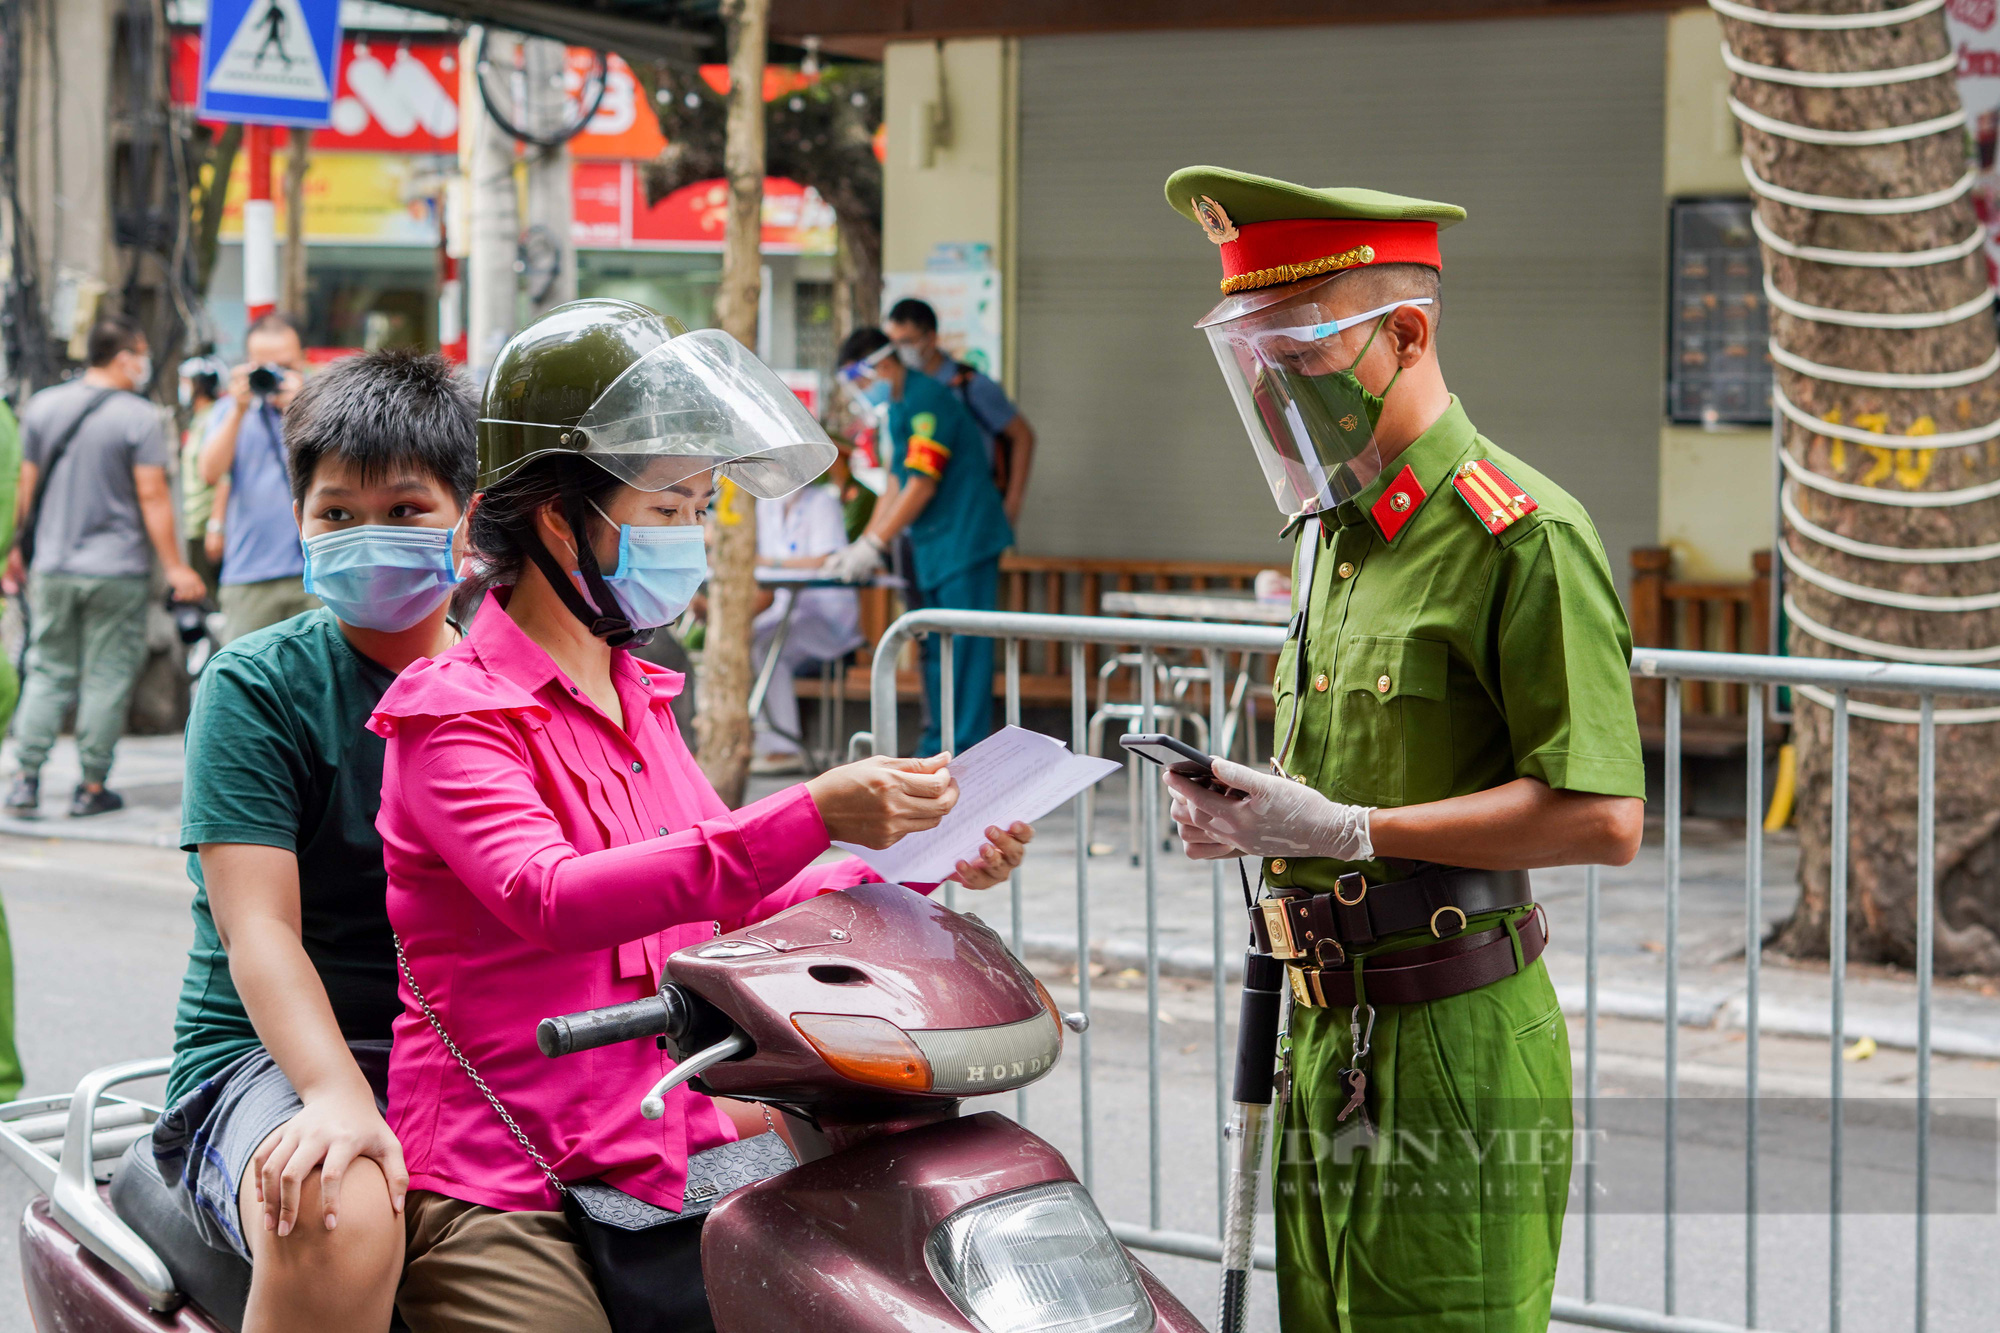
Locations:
(107, 500)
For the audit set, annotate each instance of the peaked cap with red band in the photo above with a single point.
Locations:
(1272, 232)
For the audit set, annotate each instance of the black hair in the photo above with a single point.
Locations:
(860, 345)
(915, 313)
(109, 336)
(205, 384)
(380, 411)
(502, 531)
(273, 322)
(1384, 283)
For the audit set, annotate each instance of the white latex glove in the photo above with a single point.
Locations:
(855, 562)
(1272, 816)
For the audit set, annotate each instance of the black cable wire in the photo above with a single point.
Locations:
(481, 65)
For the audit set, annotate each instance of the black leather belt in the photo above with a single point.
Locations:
(1430, 972)
(1321, 928)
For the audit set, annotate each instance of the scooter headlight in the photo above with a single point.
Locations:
(1038, 1260)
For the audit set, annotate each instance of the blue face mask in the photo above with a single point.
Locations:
(877, 393)
(659, 571)
(380, 577)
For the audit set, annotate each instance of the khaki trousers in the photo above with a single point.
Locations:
(87, 649)
(472, 1269)
(248, 607)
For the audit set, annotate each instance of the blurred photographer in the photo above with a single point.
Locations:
(262, 564)
(201, 380)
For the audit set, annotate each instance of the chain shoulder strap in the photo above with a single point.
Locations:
(437, 1026)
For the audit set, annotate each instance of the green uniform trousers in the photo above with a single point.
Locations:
(87, 648)
(1451, 1221)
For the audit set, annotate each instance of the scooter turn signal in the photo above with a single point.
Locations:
(868, 1050)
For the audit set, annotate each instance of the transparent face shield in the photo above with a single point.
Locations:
(703, 402)
(1290, 365)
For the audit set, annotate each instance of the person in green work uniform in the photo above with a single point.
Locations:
(941, 490)
(1453, 710)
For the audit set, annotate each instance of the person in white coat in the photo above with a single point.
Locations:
(799, 532)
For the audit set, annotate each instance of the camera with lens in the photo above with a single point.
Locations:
(190, 619)
(266, 379)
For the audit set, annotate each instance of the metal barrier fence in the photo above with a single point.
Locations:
(1826, 682)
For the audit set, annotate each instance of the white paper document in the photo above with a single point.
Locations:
(1014, 774)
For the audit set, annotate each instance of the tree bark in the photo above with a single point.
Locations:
(722, 722)
(221, 164)
(292, 286)
(1882, 795)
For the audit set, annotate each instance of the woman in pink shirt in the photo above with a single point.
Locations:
(548, 837)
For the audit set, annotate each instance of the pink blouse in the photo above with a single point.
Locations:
(542, 860)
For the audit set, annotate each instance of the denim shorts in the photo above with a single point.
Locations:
(204, 1142)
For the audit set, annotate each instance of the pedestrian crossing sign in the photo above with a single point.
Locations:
(269, 62)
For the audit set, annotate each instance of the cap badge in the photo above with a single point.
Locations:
(1349, 422)
(1215, 223)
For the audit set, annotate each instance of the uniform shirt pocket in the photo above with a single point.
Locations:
(1392, 724)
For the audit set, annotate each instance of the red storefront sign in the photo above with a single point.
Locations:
(402, 97)
(399, 97)
(610, 213)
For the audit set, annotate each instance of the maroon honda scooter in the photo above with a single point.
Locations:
(865, 1017)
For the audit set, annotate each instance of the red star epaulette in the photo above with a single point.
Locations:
(1495, 500)
(1397, 504)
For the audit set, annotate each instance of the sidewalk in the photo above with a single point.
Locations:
(1795, 996)
(147, 773)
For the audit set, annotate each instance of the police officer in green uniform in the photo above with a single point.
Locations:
(1453, 710)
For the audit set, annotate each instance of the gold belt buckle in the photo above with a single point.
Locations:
(1278, 924)
(1301, 996)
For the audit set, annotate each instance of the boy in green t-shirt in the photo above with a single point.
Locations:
(275, 1127)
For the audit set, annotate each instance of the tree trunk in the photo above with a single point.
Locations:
(1881, 906)
(208, 220)
(722, 724)
(292, 286)
(857, 274)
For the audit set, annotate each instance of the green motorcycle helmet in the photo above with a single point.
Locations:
(649, 401)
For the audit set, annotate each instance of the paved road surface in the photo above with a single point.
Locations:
(100, 932)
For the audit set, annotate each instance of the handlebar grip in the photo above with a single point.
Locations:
(570, 1033)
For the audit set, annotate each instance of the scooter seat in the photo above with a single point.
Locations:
(215, 1280)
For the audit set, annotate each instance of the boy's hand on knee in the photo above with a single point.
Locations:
(327, 1135)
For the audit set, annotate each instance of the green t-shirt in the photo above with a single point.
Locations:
(278, 755)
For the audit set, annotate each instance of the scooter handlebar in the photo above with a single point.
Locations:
(663, 1015)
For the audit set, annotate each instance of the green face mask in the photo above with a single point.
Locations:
(1336, 416)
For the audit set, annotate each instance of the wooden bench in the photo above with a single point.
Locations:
(1665, 612)
(1716, 617)
(1057, 585)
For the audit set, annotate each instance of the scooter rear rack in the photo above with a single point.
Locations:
(70, 1143)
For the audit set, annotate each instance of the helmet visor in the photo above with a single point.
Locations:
(1290, 371)
(704, 402)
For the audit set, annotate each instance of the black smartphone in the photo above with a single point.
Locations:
(1176, 756)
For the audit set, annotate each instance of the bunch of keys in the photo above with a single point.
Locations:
(1281, 1088)
(1354, 1079)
